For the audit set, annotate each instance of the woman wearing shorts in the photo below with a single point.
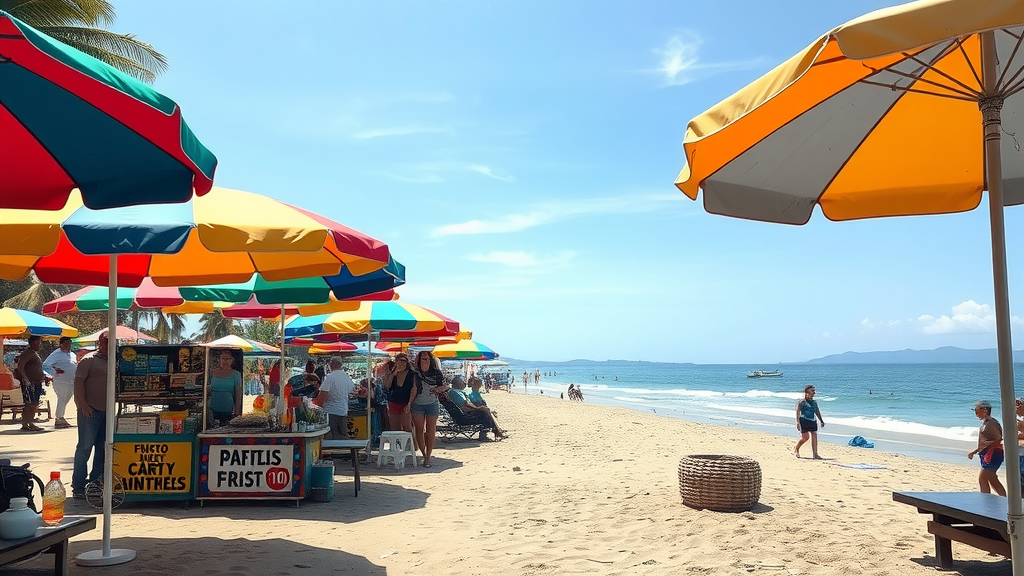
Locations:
(399, 384)
(806, 412)
(425, 407)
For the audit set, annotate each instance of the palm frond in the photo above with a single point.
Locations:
(122, 51)
(37, 13)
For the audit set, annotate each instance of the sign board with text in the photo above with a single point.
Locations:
(255, 467)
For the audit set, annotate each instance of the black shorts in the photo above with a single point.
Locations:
(808, 425)
(31, 391)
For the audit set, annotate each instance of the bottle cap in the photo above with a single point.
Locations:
(55, 475)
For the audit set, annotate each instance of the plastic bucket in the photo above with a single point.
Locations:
(321, 481)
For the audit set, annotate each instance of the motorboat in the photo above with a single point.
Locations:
(764, 374)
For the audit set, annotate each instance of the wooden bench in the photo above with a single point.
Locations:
(49, 540)
(13, 401)
(973, 518)
(353, 447)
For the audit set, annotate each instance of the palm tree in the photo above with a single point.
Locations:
(168, 327)
(212, 326)
(80, 24)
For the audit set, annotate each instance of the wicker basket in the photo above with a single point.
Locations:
(722, 483)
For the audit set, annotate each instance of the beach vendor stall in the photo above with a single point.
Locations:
(187, 437)
(267, 453)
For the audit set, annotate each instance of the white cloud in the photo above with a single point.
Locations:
(550, 212)
(486, 171)
(967, 318)
(869, 324)
(434, 171)
(397, 131)
(680, 64)
(520, 259)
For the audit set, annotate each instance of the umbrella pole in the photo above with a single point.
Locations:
(106, 556)
(990, 110)
(280, 385)
(369, 396)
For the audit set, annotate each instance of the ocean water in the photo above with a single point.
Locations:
(924, 410)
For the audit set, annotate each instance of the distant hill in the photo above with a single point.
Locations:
(945, 355)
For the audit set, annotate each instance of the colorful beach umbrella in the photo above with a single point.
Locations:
(466, 350)
(170, 300)
(70, 121)
(249, 347)
(376, 285)
(122, 334)
(383, 317)
(899, 112)
(224, 236)
(15, 323)
(235, 235)
(323, 348)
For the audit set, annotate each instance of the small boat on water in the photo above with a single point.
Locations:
(763, 374)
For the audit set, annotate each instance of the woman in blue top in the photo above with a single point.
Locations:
(225, 387)
(806, 410)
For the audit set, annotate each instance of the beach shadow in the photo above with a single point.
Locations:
(217, 557)
(375, 499)
(19, 457)
(999, 566)
(760, 508)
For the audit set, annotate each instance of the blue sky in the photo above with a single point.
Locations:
(519, 158)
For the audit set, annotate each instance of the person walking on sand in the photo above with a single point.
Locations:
(62, 363)
(990, 449)
(30, 371)
(806, 411)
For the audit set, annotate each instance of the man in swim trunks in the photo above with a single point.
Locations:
(806, 411)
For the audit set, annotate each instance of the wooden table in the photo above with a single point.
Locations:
(48, 539)
(353, 446)
(973, 518)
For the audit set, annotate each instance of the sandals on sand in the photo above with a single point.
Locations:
(31, 428)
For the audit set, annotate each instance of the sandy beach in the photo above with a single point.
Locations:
(576, 489)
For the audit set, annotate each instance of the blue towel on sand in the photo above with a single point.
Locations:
(860, 442)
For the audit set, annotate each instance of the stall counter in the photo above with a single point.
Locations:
(242, 463)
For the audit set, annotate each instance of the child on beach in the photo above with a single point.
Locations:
(990, 449)
(806, 411)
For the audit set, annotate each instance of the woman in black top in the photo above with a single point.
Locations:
(425, 408)
(399, 384)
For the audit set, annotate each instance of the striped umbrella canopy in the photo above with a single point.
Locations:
(70, 121)
(466, 350)
(376, 285)
(16, 323)
(387, 318)
(900, 112)
(248, 346)
(171, 300)
(122, 333)
(323, 348)
(224, 236)
(403, 345)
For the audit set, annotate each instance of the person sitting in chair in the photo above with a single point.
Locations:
(458, 397)
(475, 397)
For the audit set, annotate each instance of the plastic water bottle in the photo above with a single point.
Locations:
(54, 496)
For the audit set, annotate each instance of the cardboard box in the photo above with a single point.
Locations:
(127, 425)
(147, 424)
